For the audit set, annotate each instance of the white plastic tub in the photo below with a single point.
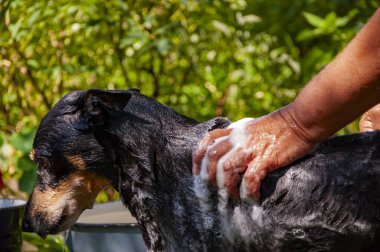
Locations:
(106, 227)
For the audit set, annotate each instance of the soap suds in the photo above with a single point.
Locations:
(235, 221)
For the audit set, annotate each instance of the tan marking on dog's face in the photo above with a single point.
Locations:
(70, 198)
(32, 154)
(77, 161)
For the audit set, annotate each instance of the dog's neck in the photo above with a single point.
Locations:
(154, 163)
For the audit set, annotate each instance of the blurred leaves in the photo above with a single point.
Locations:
(16, 164)
(314, 20)
(232, 58)
(324, 26)
(203, 58)
(28, 177)
(52, 243)
(23, 141)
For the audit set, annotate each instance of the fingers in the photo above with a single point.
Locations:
(208, 140)
(370, 120)
(250, 187)
(365, 123)
(221, 160)
(375, 114)
(233, 168)
(213, 155)
(222, 165)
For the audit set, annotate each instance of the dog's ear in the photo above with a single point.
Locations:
(98, 100)
(99, 103)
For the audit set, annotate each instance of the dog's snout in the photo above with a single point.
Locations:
(26, 224)
(35, 224)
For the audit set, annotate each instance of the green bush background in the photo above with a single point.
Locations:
(203, 58)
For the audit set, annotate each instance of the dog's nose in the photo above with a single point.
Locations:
(26, 225)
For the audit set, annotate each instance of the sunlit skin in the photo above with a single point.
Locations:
(370, 120)
(341, 92)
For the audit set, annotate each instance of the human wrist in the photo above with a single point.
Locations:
(294, 123)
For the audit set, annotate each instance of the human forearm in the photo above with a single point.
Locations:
(342, 91)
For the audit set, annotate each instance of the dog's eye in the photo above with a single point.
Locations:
(95, 104)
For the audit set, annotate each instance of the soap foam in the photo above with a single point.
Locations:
(235, 221)
(237, 139)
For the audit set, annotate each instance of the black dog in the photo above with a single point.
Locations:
(328, 201)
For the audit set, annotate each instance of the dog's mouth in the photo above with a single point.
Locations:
(46, 222)
(61, 224)
(91, 206)
(43, 233)
(43, 225)
(53, 210)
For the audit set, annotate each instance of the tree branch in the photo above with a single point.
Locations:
(222, 100)
(116, 43)
(28, 73)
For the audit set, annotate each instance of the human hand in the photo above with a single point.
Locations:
(247, 150)
(370, 120)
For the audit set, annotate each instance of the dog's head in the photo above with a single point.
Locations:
(72, 166)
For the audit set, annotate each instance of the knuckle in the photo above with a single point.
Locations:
(212, 154)
(376, 111)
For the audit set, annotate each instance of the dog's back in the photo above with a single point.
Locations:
(327, 201)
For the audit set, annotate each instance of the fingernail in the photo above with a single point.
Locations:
(249, 196)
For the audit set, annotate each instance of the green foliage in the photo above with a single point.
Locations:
(203, 58)
(231, 58)
(325, 26)
(53, 243)
(15, 161)
(234, 58)
(23, 141)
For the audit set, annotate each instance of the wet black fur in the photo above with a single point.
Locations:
(327, 201)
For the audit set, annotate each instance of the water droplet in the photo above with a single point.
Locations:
(299, 233)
